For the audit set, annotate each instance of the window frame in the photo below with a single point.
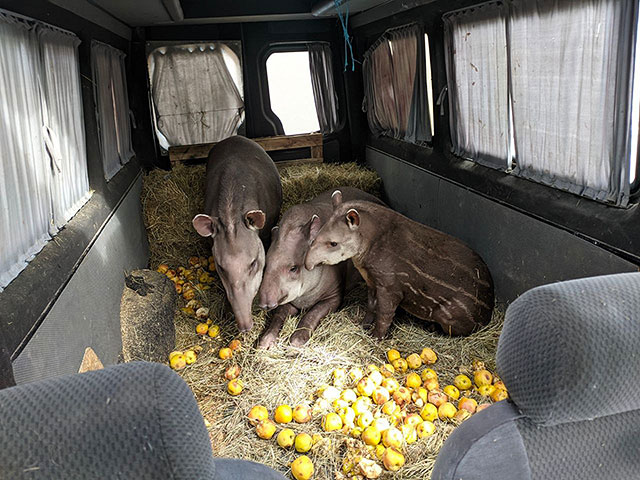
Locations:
(265, 100)
(431, 94)
(283, 48)
(634, 187)
(263, 56)
(58, 213)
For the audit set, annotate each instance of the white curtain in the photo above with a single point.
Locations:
(195, 97)
(324, 90)
(569, 77)
(43, 177)
(25, 200)
(477, 73)
(121, 107)
(112, 107)
(64, 125)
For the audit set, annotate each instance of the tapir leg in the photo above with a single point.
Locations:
(370, 315)
(386, 304)
(457, 322)
(270, 337)
(312, 319)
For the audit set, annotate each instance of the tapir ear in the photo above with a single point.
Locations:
(275, 231)
(353, 219)
(336, 199)
(314, 227)
(204, 225)
(255, 219)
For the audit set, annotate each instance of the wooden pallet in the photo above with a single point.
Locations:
(313, 141)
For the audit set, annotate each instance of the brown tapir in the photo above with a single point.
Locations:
(287, 286)
(430, 274)
(242, 204)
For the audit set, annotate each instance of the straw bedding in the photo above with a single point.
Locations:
(286, 374)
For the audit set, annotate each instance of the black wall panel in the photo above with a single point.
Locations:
(522, 252)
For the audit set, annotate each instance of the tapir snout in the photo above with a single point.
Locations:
(270, 296)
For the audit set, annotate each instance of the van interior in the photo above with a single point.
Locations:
(510, 125)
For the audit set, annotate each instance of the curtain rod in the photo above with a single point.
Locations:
(472, 7)
(383, 36)
(36, 22)
(102, 44)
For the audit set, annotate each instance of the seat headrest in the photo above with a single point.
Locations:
(137, 420)
(570, 351)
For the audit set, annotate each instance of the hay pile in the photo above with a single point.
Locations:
(171, 199)
(285, 374)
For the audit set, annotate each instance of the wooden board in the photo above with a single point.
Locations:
(302, 161)
(270, 144)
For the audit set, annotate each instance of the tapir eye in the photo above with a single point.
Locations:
(333, 244)
(253, 264)
(293, 269)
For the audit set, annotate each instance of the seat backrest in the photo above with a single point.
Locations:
(569, 354)
(137, 420)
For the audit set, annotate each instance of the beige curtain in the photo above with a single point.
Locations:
(195, 97)
(383, 115)
(478, 77)
(396, 100)
(570, 98)
(324, 90)
(112, 107)
(403, 45)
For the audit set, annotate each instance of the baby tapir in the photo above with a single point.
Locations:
(426, 272)
(287, 285)
(242, 204)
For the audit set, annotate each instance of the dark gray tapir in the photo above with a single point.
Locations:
(428, 273)
(242, 204)
(287, 286)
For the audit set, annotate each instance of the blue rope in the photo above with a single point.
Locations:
(348, 47)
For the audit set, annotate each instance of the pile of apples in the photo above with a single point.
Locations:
(384, 408)
(188, 280)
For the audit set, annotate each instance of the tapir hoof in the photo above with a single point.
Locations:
(267, 341)
(299, 338)
(378, 334)
(367, 321)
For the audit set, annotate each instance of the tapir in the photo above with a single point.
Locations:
(287, 286)
(242, 203)
(428, 273)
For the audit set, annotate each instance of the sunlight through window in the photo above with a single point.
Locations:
(290, 92)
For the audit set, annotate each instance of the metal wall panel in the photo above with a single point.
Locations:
(521, 251)
(87, 312)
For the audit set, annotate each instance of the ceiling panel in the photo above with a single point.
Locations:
(326, 8)
(166, 12)
(238, 8)
(134, 14)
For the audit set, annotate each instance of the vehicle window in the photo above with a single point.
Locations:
(112, 104)
(290, 91)
(546, 85)
(43, 172)
(398, 93)
(197, 93)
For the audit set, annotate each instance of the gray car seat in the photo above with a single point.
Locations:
(133, 421)
(569, 354)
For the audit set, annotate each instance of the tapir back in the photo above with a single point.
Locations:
(441, 278)
(242, 177)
